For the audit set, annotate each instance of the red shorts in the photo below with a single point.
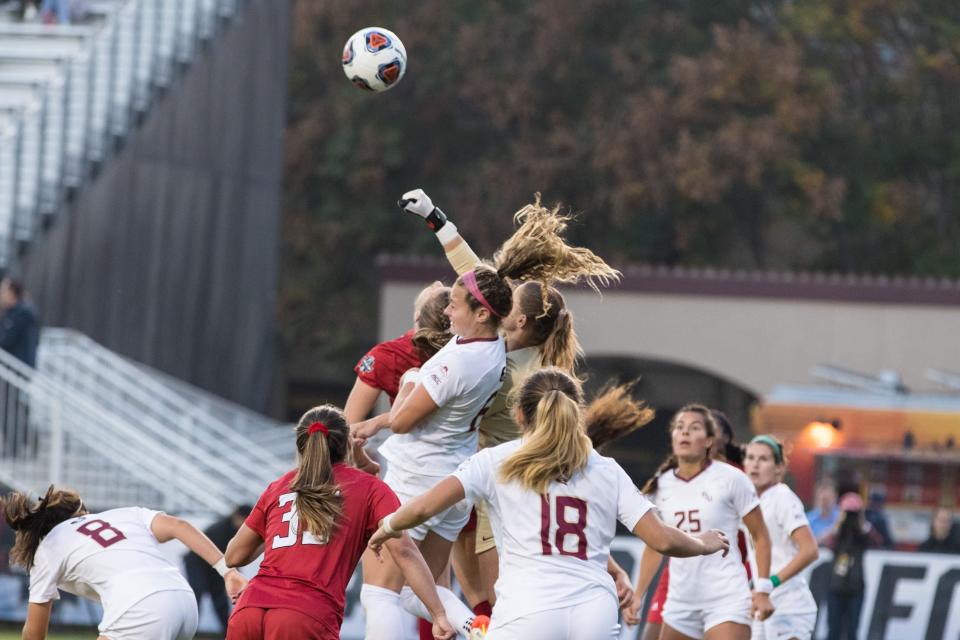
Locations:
(251, 623)
(655, 614)
(470, 526)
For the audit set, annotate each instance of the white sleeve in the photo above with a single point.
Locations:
(631, 504)
(476, 475)
(441, 378)
(743, 494)
(146, 517)
(44, 578)
(790, 513)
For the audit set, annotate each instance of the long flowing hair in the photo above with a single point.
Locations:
(32, 521)
(614, 414)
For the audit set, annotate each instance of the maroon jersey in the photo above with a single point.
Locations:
(383, 365)
(304, 573)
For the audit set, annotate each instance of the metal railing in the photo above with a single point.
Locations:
(83, 420)
(69, 93)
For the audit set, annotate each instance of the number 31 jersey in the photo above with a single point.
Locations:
(111, 557)
(716, 498)
(553, 547)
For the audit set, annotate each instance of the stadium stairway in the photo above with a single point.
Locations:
(122, 433)
(70, 94)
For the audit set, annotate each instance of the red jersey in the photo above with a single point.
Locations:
(301, 572)
(383, 365)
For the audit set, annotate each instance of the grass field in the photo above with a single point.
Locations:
(13, 635)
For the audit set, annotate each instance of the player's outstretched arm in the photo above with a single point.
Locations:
(166, 528)
(417, 574)
(360, 402)
(38, 620)
(670, 541)
(459, 253)
(443, 495)
(762, 607)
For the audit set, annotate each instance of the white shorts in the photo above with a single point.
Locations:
(784, 626)
(595, 619)
(446, 524)
(694, 622)
(164, 615)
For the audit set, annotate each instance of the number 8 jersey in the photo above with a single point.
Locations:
(110, 557)
(716, 498)
(553, 547)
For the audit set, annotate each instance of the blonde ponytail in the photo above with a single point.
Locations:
(554, 445)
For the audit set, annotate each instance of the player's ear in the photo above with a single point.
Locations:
(482, 315)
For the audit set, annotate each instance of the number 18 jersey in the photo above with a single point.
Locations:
(553, 547)
(110, 557)
(716, 498)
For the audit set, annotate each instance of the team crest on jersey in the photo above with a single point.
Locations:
(707, 496)
(366, 364)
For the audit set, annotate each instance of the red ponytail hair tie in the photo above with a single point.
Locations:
(318, 426)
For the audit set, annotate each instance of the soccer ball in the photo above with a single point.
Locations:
(374, 59)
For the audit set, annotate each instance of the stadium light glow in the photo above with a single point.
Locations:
(821, 434)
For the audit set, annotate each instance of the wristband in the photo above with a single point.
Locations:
(386, 524)
(436, 219)
(447, 233)
(776, 581)
(221, 566)
(763, 585)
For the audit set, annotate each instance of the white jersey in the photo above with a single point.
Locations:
(553, 548)
(110, 557)
(783, 514)
(462, 380)
(716, 498)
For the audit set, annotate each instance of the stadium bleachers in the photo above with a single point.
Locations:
(70, 94)
(122, 433)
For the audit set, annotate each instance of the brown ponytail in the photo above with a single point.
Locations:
(32, 522)
(494, 289)
(672, 462)
(319, 502)
(614, 414)
(550, 325)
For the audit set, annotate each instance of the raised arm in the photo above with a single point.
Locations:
(458, 252)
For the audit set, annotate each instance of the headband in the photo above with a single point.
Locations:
(773, 444)
(470, 281)
(318, 426)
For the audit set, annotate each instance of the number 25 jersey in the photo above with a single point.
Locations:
(553, 547)
(111, 557)
(716, 498)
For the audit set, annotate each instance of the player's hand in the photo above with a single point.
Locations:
(631, 612)
(363, 431)
(715, 540)
(624, 587)
(379, 538)
(416, 202)
(762, 607)
(442, 629)
(235, 583)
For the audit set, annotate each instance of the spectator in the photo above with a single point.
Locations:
(944, 537)
(852, 536)
(823, 518)
(19, 324)
(877, 518)
(203, 578)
